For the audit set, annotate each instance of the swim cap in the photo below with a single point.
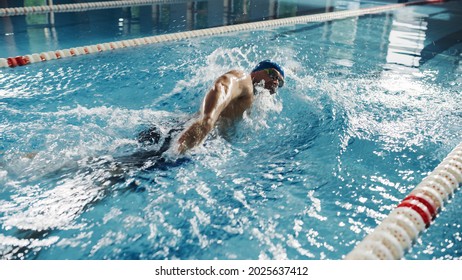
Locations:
(265, 64)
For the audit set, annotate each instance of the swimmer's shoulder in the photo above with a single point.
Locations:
(240, 81)
(237, 74)
(238, 77)
(244, 79)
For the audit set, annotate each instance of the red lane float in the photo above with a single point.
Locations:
(419, 208)
(425, 201)
(12, 62)
(414, 213)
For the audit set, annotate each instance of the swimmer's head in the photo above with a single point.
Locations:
(271, 73)
(268, 64)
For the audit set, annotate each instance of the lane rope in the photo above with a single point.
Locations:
(397, 232)
(80, 7)
(52, 55)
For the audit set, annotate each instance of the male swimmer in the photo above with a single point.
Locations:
(232, 94)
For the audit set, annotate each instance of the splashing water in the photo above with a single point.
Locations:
(303, 176)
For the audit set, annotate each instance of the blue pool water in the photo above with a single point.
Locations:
(370, 106)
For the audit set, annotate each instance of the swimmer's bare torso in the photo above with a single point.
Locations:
(231, 95)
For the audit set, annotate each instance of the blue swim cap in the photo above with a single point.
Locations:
(265, 64)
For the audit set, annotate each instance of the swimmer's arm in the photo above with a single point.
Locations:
(216, 100)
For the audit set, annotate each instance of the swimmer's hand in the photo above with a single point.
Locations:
(193, 135)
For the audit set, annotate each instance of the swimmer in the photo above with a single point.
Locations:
(232, 94)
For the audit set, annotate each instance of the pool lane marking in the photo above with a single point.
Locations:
(414, 213)
(52, 55)
(80, 7)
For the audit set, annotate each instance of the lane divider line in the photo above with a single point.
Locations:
(414, 214)
(81, 7)
(102, 47)
(59, 54)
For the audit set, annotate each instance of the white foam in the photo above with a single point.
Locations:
(3, 175)
(55, 208)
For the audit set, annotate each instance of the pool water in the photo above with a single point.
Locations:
(370, 106)
(43, 32)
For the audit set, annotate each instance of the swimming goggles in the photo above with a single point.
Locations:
(273, 74)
